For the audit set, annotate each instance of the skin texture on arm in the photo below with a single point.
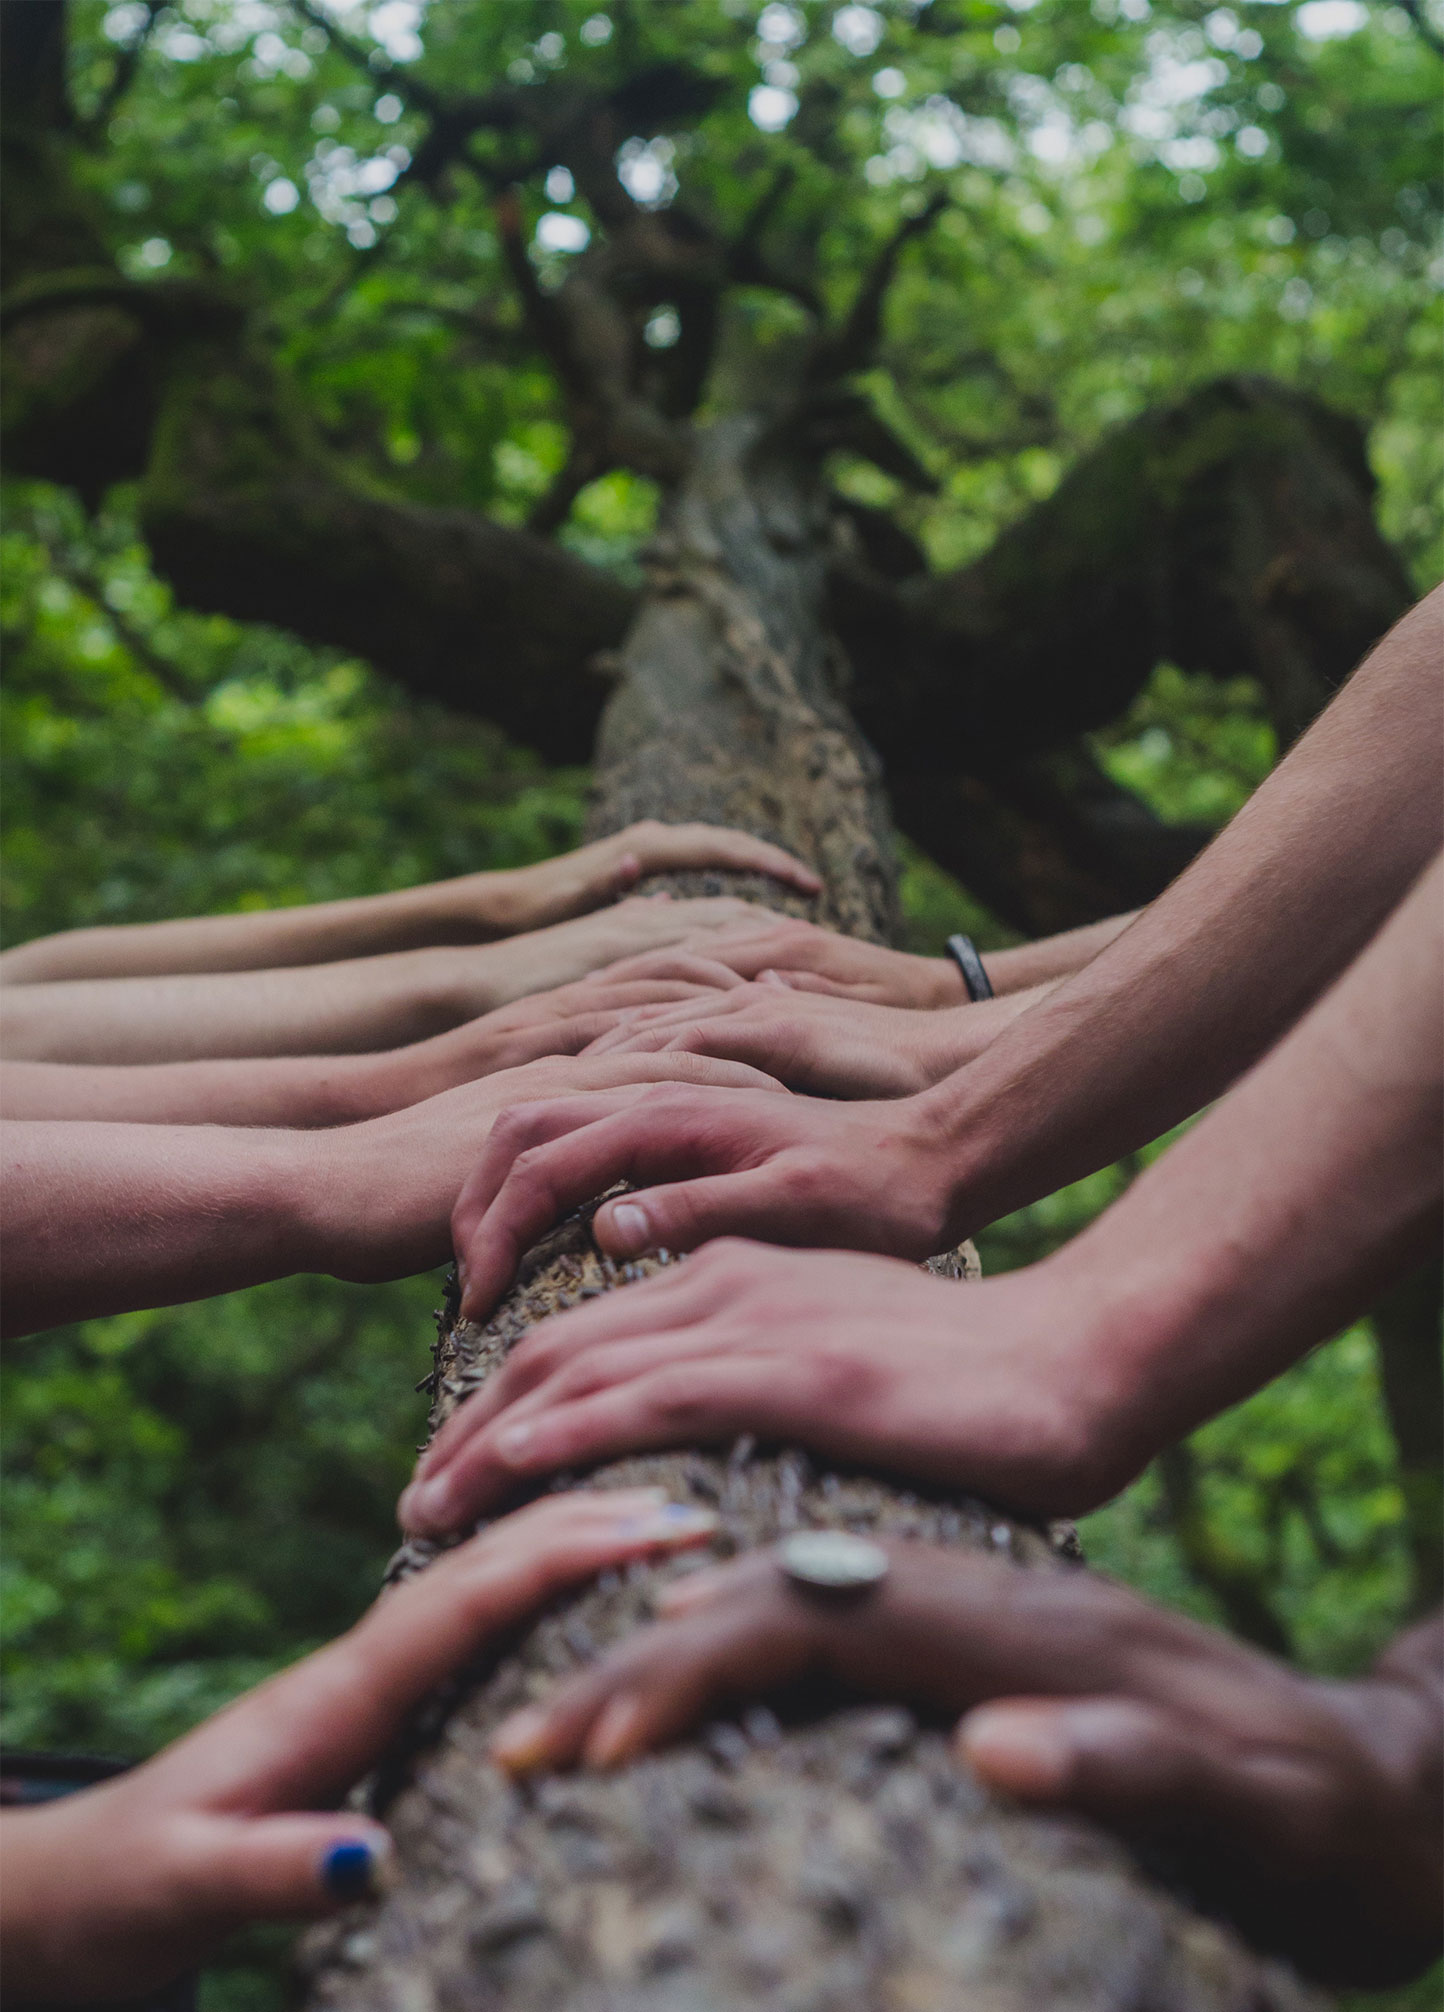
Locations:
(102, 1218)
(1312, 1812)
(358, 1006)
(472, 909)
(1158, 1024)
(1265, 1229)
(115, 1890)
(301, 1091)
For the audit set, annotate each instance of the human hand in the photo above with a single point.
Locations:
(867, 1176)
(561, 1022)
(822, 1043)
(1310, 1811)
(807, 957)
(995, 1387)
(373, 1200)
(493, 974)
(112, 1891)
(600, 872)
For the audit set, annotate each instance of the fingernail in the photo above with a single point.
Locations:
(426, 1505)
(1023, 1751)
(627, 1228)
(513, 1441)
(675, 1520)
(611, 1739)
(519, 1743)
(354, 1869)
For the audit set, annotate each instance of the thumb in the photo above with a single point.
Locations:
(290, 1866)
(684, 1214)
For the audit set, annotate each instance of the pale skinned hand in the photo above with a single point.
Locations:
(377, 1196)
(866, 1176)
(805, 955)
(993, 1387)
(563, 1021)
(1310, 1810)
(597, 873)
(116, 1889)
(824, 1044)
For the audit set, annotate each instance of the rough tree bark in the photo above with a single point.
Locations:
(826, 1856)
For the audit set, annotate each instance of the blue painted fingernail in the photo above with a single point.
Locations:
(348, 1871)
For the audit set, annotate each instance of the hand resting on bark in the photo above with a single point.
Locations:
(472, 909)
(1309, 1811)
(115, 1890)
(100, 1218)
(356, 1006)
(299, 1091)
(1049, 1387)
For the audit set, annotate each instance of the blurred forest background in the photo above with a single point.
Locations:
(1142, 198)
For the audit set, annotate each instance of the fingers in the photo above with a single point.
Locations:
(543, 1159)
(305, 1736)
(632, 1398)
(680, 1216)
(685, 965)
(749, 1637)
(664, 1301)
(658, 847)
(1149, 1768)
(287, 1867)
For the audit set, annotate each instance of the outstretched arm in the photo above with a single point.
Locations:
(359, 1006)
(1309, 1811)
(1267, 1228)
(113, 1891)
(100, 1218)
(301, 1091)
(473, 909)
(1158, 1024)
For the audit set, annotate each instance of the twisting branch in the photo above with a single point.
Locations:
(748, 263)
(855, 342)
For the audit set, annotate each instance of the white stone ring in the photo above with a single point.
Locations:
(832, 1561)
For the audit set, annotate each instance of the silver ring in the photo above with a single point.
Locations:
(832, 1561)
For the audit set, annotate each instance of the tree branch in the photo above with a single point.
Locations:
(855, 343)
(1428, 34)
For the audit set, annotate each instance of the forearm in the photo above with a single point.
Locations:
(1209, 976)
(1052, 957)
(105, 1218)
(1280, 1217)
(358, 1006)
(289, 1091)
(472, 909)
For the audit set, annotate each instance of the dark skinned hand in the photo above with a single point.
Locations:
(1311, 1810)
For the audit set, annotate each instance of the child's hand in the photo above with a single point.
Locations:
(118, 1888)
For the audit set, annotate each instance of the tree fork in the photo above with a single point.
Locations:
(830, 1856)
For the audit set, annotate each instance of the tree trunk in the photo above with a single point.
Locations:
(837, 1859)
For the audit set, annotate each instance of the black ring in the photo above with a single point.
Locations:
(964, 953)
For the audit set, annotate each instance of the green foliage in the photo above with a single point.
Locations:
(1139, 199)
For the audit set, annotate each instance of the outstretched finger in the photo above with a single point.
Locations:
(307, 1734)
(749, 1638)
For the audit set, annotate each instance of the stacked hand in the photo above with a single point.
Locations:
(812, 959)
(995, 1387)
(598, 873)
(115, 1890)
(866, 1176)
(826, 1044)
(1311, 1811)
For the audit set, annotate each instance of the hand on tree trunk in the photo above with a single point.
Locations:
(817, 1042)
(1312, 1809)
(114, 1891)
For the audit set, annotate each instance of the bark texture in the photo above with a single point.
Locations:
(815, 1855)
